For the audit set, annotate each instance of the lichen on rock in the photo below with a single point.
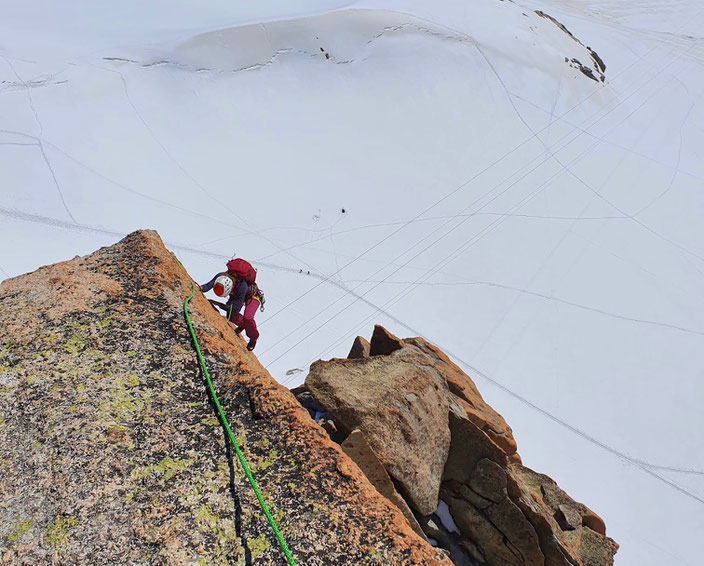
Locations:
(110, 452)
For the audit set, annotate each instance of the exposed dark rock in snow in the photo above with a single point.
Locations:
(596, 72)
(598, 60)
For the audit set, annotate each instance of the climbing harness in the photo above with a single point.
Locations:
(231, 436)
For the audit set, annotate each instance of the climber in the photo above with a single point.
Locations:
(238, 286)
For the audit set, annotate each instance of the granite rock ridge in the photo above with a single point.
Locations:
(110, 452)
(417, 425)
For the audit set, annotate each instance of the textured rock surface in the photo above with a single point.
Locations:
(383, 342)
(360, 348)
(468, 397)
(400, 405)
(505, 513)
(110, 452)
(357, 448)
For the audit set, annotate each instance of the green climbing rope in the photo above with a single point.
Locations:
(223, 419)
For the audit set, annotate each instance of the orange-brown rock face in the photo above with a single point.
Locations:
(471, 496)
(110, 452)
(398, 407)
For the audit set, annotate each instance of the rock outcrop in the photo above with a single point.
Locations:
(360, 348)
(110, 452)
(452, 458)
(398, 407)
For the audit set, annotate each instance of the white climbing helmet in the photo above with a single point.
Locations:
(223, 286)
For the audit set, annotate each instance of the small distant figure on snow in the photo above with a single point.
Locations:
(238, 286)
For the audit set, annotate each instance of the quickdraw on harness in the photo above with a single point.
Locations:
(254, 292)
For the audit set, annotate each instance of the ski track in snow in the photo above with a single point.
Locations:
(385, 30)
(463, 248)
(534, 135)
(525, 291)
(677, 167)
(569, 171)
(19, 215)
(41, 131)
(130, 190)
(188, 175)
(364, 294)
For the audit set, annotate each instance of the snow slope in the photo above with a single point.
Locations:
(543, 227)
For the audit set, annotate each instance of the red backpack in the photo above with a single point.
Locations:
(242, 269)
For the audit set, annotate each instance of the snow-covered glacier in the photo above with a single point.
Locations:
(521, 182)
